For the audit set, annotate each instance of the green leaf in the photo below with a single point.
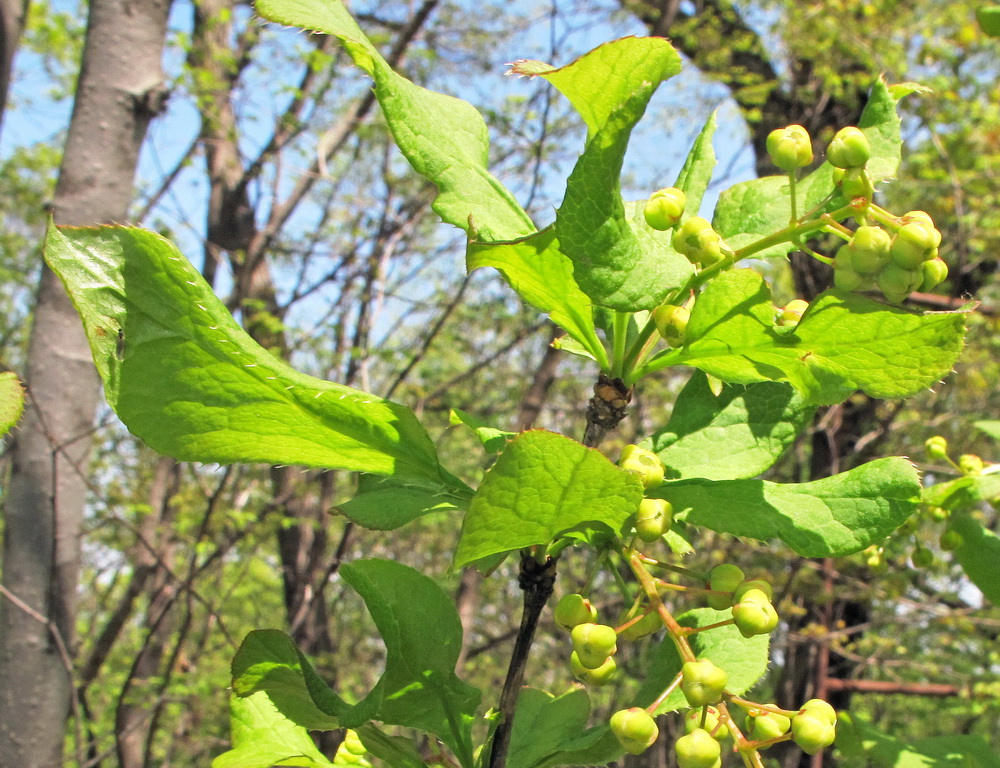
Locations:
(188, 381)
(858, 738)
(696, 173)
(990, 427)
(963, 492)
(844, 342)
(419, 689)
(744, 659)
(444, 138)
(978, 554)
(268, 661)
(618, 260)
(263, 737)
(834, 516)
(545, 485)
(494, 440)
(736, 434)
(388, 503)
(423, 638)
(542, 276)
(988, 17)
(544, 724)
(754, 209)
(11, 401)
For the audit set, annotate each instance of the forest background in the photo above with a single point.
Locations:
(260, 152)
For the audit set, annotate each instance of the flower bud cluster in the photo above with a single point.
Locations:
(897, 264)
(750, 599)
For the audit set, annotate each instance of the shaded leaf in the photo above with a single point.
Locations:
(419, 689)
(618, 261)
(735, 434)
(978, 554)
(833, 516)
(388, 503)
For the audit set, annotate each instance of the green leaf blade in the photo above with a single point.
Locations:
(844, 342)
(542, 275)
(187, 380)
(619, 262)
(443, 138)
(544, 485)
(11, 401)
(734, 435)
(834, 516)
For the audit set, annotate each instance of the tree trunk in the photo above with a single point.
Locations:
(12, 16)
(120, 90)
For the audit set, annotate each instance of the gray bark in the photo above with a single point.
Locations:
(120, 89)
(12, 16)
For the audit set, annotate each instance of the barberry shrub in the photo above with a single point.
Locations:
(638, 287)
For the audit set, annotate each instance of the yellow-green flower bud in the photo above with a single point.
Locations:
(790, 147)
(635, 729)
(602, 675)
(792, 312)
(671, 321)
(698, 750)
(724, 577)
(645, 464)
(849, 148)
(869, 249)
(936, 448)
(933, 272)
(664, 209)
(654, 518)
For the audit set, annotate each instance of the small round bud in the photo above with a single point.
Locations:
(754, 614)
(922, 557)
(703, 683)
(933, 272)
(970, 464)
(765, 726)
(792, 312)
(573, 610)
(635, 729)
(790, 147)
(811, 732)
(913, 244)
(723, 578)
(845, 277)
(654, 518)
(853, 182)
(936, 448)
(664, 209)
(594, 643)
(869, 249)
(849, 148)
(603, 675)
(645, 464)
(746, 586)
(698, 750)
(897, 283)
(671, 322)
(693, 720)
(699, 243)
(951, 540)
(352, 743)
(821, 709)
